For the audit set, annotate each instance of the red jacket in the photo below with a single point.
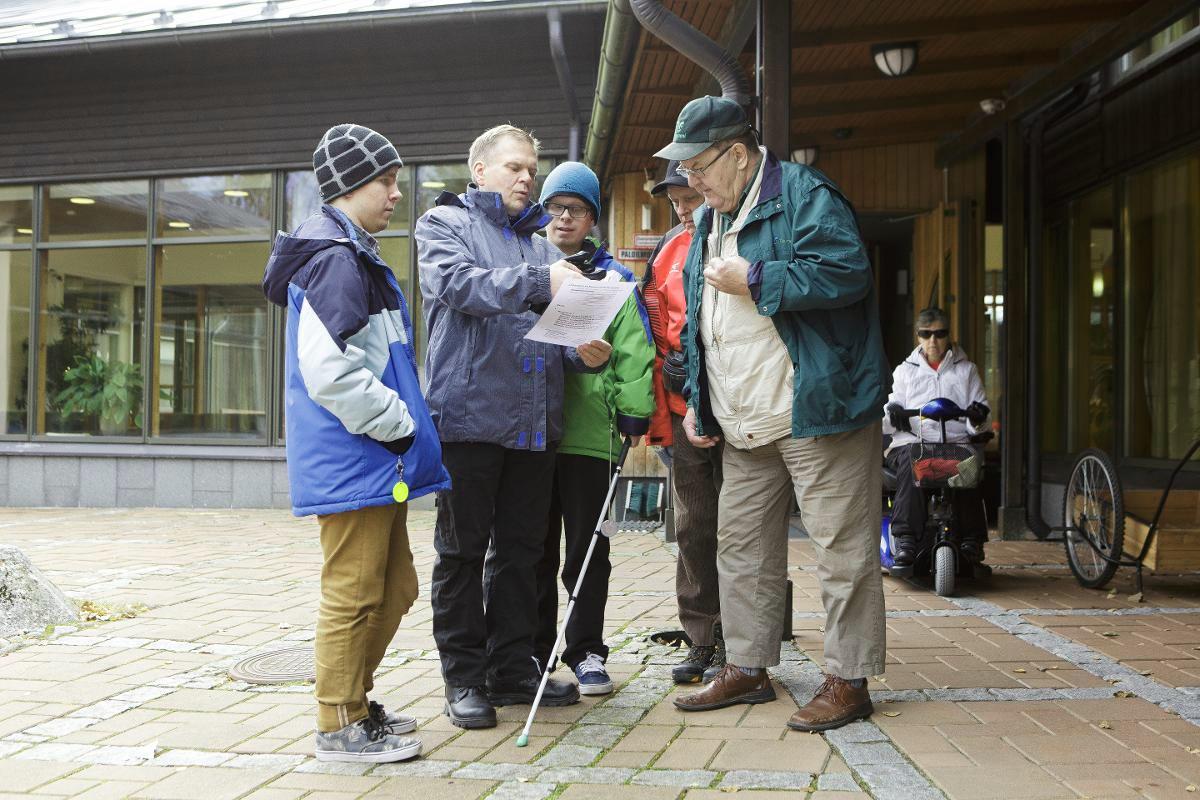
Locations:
(663, 293)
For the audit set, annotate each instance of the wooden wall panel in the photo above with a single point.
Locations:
(887, 178)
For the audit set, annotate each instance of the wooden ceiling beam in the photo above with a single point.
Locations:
(953, 26)
(676, 91)
(895, 102)
(949, 66)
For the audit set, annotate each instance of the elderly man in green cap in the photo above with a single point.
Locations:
(785, 364)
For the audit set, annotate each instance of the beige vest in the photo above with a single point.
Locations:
(749, 369)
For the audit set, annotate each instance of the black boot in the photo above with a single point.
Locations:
(469, 707)
(972, 551)
(521, 692)
(691, 669)
(905, 555)
(718, 658)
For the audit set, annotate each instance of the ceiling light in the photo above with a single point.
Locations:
(179, 224)
(805, 155)
(236, 193)
(991, 105)
(25, 231)
(433, 184)
(895, 58)
(83, 201)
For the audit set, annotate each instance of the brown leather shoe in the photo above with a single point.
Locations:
(730, 687)
(835, 704)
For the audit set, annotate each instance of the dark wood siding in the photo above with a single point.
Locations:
(265, 101)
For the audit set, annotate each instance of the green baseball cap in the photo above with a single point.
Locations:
(703, 122)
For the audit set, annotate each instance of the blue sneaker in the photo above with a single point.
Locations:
(593, 678)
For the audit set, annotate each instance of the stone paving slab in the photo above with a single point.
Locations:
(1026, 687)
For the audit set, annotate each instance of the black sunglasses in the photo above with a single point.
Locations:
(940, 333)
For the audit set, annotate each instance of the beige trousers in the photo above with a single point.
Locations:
(836, 481)
(368, 583)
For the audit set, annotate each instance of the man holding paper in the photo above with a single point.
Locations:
(597, 411)
(496, 400)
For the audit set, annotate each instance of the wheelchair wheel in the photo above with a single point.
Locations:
(1094, 516)
(945, 566)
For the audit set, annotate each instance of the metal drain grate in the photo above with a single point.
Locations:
(279, 666)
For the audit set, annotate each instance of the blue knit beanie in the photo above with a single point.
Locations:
(572, 177)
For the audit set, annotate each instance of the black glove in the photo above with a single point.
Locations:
(977, 412)
(399, 446)
(899, 420)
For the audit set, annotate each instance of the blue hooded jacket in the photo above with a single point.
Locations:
(482, 276)
(351, 373)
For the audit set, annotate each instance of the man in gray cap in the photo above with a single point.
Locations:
(784, 361)
(695, 471)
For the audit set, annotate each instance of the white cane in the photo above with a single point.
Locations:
(523, 739)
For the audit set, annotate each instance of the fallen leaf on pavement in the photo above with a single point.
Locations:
(1018, 669)
(891, 713)
(1110, 634)
(1136, 597)
(1105, 725)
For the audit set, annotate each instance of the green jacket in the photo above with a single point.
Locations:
(598, 409)
(810, 274)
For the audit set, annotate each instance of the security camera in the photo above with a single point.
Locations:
(991, 105)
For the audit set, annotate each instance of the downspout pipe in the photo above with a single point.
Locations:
(616, 60)
(1053, 113)
(697, 47)
(558, 52)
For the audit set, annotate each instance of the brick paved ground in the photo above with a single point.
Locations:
(1028, 687)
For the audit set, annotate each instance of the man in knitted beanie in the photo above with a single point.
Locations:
(360, 439)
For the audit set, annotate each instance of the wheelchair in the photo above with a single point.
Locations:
(942, 469)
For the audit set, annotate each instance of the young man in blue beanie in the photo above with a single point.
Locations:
(598, 410)
(360, 441)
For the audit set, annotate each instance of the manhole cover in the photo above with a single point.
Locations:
(278, 666)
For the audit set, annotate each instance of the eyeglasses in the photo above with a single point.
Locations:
(556, 210)
(940, 333)
(699, 171)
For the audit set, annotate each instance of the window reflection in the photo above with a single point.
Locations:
(92, 309)
(16, 214)
(210, 337)
(104, 210)
(16, 270)
(302, 198)
(1162, 329)
(217, 205)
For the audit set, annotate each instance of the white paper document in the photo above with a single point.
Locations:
(580, 312)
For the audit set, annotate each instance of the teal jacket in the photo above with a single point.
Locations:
(810, 274)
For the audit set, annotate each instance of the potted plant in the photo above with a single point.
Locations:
(110, 390)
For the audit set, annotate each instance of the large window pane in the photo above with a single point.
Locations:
(104, 210)
(302, 198)
(16, 214)
(214, 205)
(1162, 333)
(1093, 296)
(211, 341)
(16, 270)
(92, 311)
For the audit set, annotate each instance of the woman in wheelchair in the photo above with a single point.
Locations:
(935, 368)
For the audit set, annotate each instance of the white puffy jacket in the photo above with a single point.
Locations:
(915, 383)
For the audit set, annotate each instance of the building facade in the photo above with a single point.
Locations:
(142, 179)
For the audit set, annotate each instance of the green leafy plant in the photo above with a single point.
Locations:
(108, 390)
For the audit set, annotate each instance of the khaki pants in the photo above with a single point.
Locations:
(836, 480)
(368, 582)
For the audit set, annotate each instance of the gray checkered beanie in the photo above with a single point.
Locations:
(350, 155)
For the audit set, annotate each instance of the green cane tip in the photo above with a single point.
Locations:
(522, 740)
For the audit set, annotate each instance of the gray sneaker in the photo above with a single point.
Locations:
(394, 721)
(366, 741)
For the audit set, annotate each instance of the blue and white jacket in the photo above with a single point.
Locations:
(482, 276)
(351, 374)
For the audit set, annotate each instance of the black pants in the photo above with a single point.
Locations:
(580, 486)
(696, 475)
(500, 497)
(911, 504)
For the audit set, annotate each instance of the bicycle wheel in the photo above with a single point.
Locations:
(1094, 516)
(945, 565)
